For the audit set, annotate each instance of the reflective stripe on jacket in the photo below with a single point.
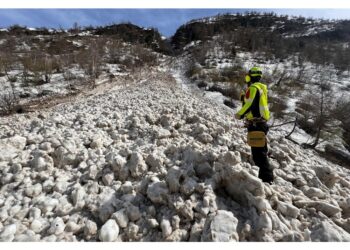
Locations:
(256, 102)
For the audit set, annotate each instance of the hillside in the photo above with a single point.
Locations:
(301, 59)
(40, 64)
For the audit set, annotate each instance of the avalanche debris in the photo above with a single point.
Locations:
(153, 162)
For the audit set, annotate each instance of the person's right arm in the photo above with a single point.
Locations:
(249, 98)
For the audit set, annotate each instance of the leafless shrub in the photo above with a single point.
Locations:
(42, 69)
(282, 82)
(68, 75)
(193, 69)
(66, 61)
(235, 91)
(307, 125)
(278, 106)
(75, 29)
(77, 82)
(12, 78)
(57, 64)
(9, 102)
(128, 61)
(308, 107)
(115, 50)
(90, 60)
(215, 76)
(59, 45)
(143, 56)
(227, 46)
(111, 77)
(7, 61)
(37, 68)
(48, 68)
(199, 53)
(26, 64)
(341, 112)
(2, 66)
(234, 73)
(319, 118)
(294, 84)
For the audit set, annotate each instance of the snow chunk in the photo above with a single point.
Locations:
(157, 192)
(328, 231)
(57, 226)
(8, 234)
(163, 133)
(109, 231)
(326, 208)
(137, 165)
(9, 147)
(221, 228)
(166, 228)
(121, 217)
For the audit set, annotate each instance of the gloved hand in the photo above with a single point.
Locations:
(237, 116)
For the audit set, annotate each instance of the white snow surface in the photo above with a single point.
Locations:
(312, 30)
(167, 164)
(84, 33)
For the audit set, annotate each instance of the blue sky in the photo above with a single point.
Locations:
(165, 20)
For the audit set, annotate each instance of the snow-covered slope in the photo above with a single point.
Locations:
(153, 161)
(290, 82)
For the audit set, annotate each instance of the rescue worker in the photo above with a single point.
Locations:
(256, 111)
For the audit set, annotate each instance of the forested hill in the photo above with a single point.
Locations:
(318, 40)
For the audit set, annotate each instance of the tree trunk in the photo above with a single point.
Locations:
(320, 127)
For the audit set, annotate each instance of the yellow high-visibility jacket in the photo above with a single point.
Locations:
(256, 102)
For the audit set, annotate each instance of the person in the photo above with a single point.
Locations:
(256, 111)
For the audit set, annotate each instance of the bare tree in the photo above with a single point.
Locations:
(8, 102)
(341, 113)
(322, 107)
(7, 62)
(143, 56)
(47, 68)
(2, 66)
(76, 28)
(282, 77)
(199, 53)
(26, 64)
(301, 72)
(36, 68)
(115, 51)
(321, 118)
(90, 60)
